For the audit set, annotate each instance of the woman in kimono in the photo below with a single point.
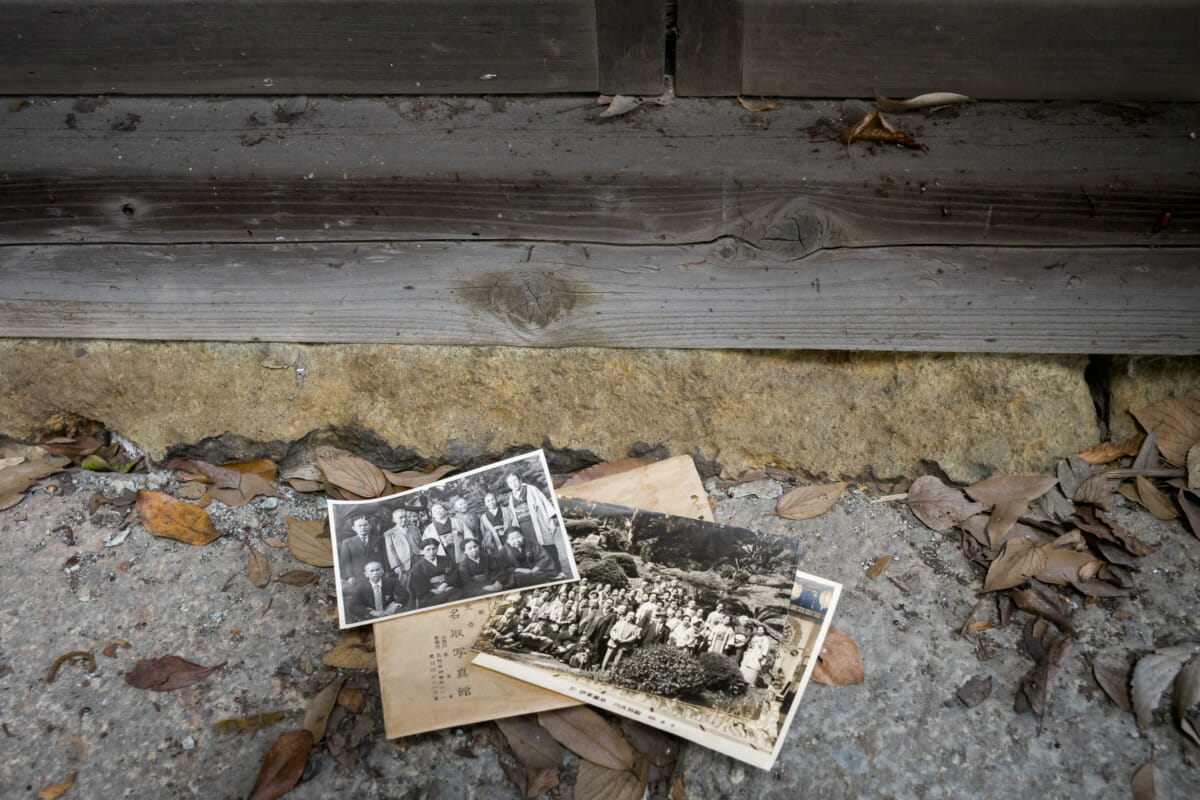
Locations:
(530, 511)
(492, 524)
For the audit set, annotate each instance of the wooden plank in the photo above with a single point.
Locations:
(1028, 49)
(708, 48)
(297, 46)
(631, 46)
(717, 295)
(548, 169)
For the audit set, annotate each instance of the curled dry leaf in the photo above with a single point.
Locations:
(532, 744)
(873, 127)
(586, 734)
(1072, 472)
(540, 781)
(297, 577)
(1187, 694)
(755, 106)
(258, 569)
(1115, 683)
(1038, 683)
(1004, 516)
(57, 790)
(1148, 782)
(1097, 491)
(1105, 452)
(1154, 500)
(921, 101)
(1020, 560)
(1189, 501)
(1151, 677)
(412, 478)
(316, 717)
(261, 467)
(1177, 423)
(605, 469)
(167, 673)
(876, 569)
(204, 472)
(164, 516)
(308, 541)
(839, 662)
(250, 724)
(596, 782)
(938, 505)
(356, 650)
(283, 765)
(250, 486)
(352, 700)
(72, 446)
(975, 691)
(1002, 489)
(355, 475)
(1041, 600)
(807, 502)
(15, 479)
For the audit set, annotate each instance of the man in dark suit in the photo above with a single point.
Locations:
(378, 595)
(355, 552)
(523, 562)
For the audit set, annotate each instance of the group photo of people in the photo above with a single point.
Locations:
(592, 627)
(492, 530)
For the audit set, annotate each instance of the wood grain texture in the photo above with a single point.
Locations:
(724, 294)
(297, 46)
(631, 46)
(324, 169)
(708, 48)
(999, 49)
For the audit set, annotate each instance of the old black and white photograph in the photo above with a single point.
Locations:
(488, 531)
(666, 605)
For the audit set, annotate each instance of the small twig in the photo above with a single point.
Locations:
(898, 584)
(53, 673)
(887, 498)
(1145, 473)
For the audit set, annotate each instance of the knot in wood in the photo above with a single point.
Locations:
(526, 299)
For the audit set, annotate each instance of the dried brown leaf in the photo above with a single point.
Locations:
(1004, 517)
(1020, 560)
(250, 486)
(1055, 505)
(71, 446)
(540, 781)
(1041, 600)
(1193, 467)
(191, 490)
(1154, 500)
(755, 106)
(412, 478)
(261, 467)
(807, 502)
(532, 744)
(661, 748)
(283, 765)
(356, 650)
(877, 568)
(352, 700)
(308, 541)
(605, 469)
(839, 662)
(1115, 683)
(307, 486)
(1097, 491)
(1189, 501)
(15, 479)
(258, 569)
(1151, 677)
(57, 790)
(167, 673)
(164, 516)
(586, 734)
(1067, 566)
(873, 127)
(1148, 782)
(1072, 472)
(1177, 423)
(204, 472)
(1038, 684)
(1106, 452)
(316, 717)
(921, 101)
(250, 724)
(297, 577)
(1187, 694)
(596, 782)
(355, 475)
(1102, 526)
(975, 691)
(1002, 489)
(938, 505)
(677, 791)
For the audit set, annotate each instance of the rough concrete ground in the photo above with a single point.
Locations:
(902, 734)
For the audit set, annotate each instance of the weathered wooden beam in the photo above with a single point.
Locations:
(631, 45)
(999, 49)
(297, 46)
(708, 48)
(722, 294)
(319, 169)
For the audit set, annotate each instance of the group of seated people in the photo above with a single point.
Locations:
(457, 555)
(592, 626)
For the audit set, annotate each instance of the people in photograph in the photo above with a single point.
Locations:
(445, 529)
(402, 543)
(507, 628)
(756, 653)
(720, 634)
(355, 552)
(466, 521)
(529, 510)
(655, 630)
(378, 595)
(581, 654)
(625, 632)
(524, 563)
(492, 525)
(433, 577)
(478, 572)
(684, 635)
